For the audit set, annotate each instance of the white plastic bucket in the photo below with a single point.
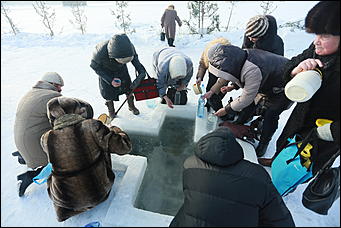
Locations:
(303, 86)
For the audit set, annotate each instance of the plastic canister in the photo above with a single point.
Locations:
(304, 85)
(197, 89)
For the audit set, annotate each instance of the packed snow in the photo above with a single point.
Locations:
(28, 55)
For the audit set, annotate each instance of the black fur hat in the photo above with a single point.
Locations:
(324, 18)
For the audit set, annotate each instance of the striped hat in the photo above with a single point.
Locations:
(257, 26)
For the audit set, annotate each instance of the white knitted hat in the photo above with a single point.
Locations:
(177, 67)
(257, 26)
(53, 77)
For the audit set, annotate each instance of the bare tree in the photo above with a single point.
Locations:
(201, 10)
(268, 7)
(123, 20)
(232, 4)
(5, 11)
(47, 14)
(77, 9)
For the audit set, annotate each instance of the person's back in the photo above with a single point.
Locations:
(216, 183)
(31, 122)
(79, 150)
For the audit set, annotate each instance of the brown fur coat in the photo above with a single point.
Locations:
(79, 151)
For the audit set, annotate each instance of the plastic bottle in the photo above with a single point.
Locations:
(201, 107)
(202, 88)
(177, 98)
(211, 121)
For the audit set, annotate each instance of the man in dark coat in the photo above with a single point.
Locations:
(323, 53)
(109, 61)
(79, 148)
(223, 189)
(261, 33)
(259, 73)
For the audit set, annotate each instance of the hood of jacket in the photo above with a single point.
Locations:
(272, 29)
(119, 46)
(219, 148)
(227, 58)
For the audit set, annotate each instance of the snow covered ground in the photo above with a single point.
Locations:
(27, 56)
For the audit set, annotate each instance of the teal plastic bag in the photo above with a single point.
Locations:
(287, 170)
(41, 178)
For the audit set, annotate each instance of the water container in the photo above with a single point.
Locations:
(304, 85)
(201, 107)
(202, 87)
(211, 121)
(93, 224)
(43, 175)
(177, 98)
(151, 103)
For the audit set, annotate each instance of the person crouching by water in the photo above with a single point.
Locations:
(216, 185)
(79, 148)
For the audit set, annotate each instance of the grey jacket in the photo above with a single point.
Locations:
(31, 122)
(254, 70)
(161, 59)
(168, 22)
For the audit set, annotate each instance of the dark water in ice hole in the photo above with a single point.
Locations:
(161, 188)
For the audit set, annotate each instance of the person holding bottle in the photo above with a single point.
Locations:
(258, 73)
(172, 68)
(324, 54)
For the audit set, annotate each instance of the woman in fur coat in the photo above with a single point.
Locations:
(168, 23)
(79, 148)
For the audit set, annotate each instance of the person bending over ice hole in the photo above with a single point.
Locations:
(216, 186)
(109, 61)
(79, 148)
(259, 73)
(173, 69)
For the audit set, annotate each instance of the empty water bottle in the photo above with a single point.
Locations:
(201, 107)
(43, 175)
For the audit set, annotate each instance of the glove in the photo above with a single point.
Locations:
(239, 131)
(230, 113)
(137, 80)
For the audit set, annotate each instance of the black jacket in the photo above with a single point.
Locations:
(270, 41)
(325, 104)
(223, 189)
(107, 68)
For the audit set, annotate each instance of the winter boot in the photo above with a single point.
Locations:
(111, 109)
(25, 179)
(261, 148)
(170, 42)
(131, 105)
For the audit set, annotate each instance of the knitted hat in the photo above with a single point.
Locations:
(53, 77)
(177, 67)
(323, 18)
(119, 46)
(257, 26)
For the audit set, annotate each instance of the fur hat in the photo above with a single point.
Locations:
(59, 106)
(177, 67)
(53, 77)
(257, 26)
(324, 18)
(119, 46)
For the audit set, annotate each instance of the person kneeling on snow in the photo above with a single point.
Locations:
(79, 147)
(172, 69)
(223, 189)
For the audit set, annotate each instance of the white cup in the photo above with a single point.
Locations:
(303, 86)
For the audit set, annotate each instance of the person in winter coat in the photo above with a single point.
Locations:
(109, 61)
(261, 33)
(259, 73)
(203, 66)
(172, 68)
(216, 186)
(79, 148)
(168, 24)
(323, 53)
(31, 122)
